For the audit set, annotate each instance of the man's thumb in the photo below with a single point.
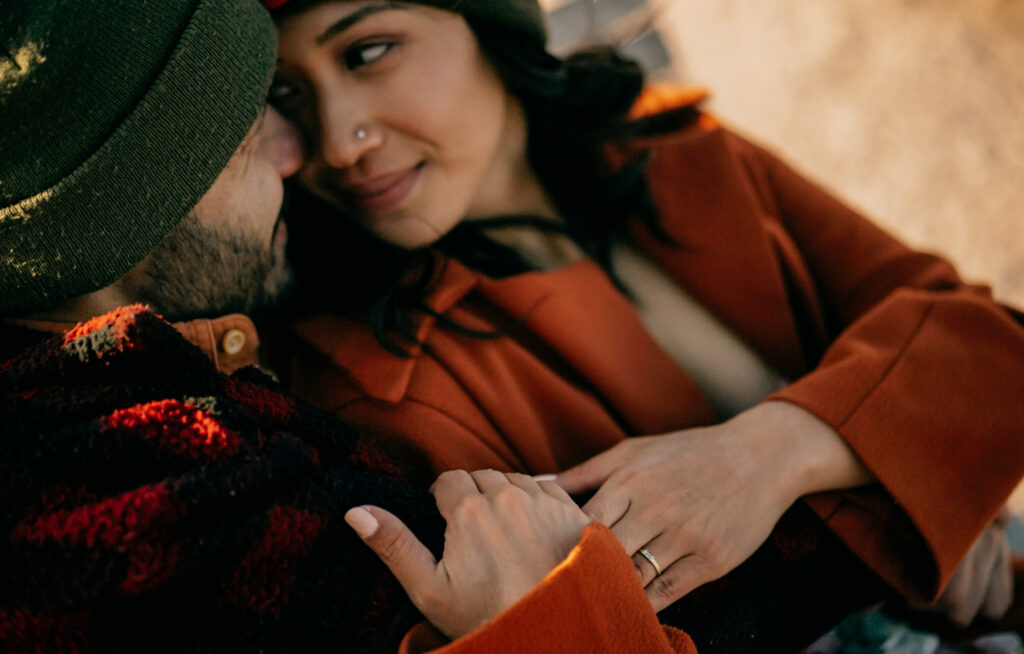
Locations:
(407, 558)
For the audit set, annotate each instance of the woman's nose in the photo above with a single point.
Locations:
(343, 142)
(281, 143)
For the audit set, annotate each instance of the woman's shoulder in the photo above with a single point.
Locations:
(685, 142)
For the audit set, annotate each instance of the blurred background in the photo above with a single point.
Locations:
(910, 110)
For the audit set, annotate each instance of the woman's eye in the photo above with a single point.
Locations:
(361, 55)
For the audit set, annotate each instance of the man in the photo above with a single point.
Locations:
(150, 503)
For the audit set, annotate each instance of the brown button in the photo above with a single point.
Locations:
(233, 342)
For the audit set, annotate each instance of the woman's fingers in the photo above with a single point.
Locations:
(656, 558)
(608, 504)
(648, 564)
(676, 581)
(1000, 592)
(595, 471)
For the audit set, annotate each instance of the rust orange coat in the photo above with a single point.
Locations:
(591, 603)
(919, 372)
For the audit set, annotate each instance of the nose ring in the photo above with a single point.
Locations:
(361, 134)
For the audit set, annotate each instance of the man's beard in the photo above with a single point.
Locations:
(205, 271)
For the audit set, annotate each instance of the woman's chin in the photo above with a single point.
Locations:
(406, 232)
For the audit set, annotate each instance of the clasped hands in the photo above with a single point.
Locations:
(505, 533)
(698, 501)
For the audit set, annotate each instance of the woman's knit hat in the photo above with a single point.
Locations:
(117, 116)
(523, 16)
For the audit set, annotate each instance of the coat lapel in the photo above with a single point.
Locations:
(723, 254)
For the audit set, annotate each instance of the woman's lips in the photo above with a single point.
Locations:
(386, 192)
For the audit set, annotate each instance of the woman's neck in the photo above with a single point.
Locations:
(510, 187)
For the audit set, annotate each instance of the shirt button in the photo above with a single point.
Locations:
(233, 342)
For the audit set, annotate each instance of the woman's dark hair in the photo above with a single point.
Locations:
(575, 107)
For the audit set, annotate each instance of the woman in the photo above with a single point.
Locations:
(558, 261)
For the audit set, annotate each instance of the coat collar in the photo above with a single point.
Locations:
(377, 372)
(550, 304)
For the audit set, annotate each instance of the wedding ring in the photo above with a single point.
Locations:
(650, 559)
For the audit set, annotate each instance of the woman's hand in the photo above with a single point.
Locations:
(983, 582)
(505, 534)
(700, 501)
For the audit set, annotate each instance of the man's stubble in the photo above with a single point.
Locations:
(202, 270)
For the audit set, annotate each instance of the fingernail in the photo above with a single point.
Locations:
(545, 477)
(362, 521)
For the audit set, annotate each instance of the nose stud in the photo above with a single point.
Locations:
(361, 134)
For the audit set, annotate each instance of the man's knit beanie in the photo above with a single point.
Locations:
(116, 116)
(523, 16)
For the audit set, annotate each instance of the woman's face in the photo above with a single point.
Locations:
(404, 116)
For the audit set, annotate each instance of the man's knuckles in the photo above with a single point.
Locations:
(511, 500)
(470, 508)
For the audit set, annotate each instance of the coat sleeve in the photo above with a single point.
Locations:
(590, 603)
(922, 375)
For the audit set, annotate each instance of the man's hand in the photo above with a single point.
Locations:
(700, 501)
(505, 534)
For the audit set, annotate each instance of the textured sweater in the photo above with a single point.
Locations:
(151, 504)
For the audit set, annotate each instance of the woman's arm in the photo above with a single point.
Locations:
(912, 381)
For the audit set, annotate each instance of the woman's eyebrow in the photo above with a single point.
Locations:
(353, 18)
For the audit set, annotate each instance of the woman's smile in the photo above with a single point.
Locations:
(385, 192)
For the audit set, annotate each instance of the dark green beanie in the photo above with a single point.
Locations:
(116, 116)
(523, 16)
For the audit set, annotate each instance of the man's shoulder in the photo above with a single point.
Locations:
(123, 335)
(48, 379)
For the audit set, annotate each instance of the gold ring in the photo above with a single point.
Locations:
(650, 559)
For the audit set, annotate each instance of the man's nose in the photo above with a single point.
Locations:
(281, 143)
